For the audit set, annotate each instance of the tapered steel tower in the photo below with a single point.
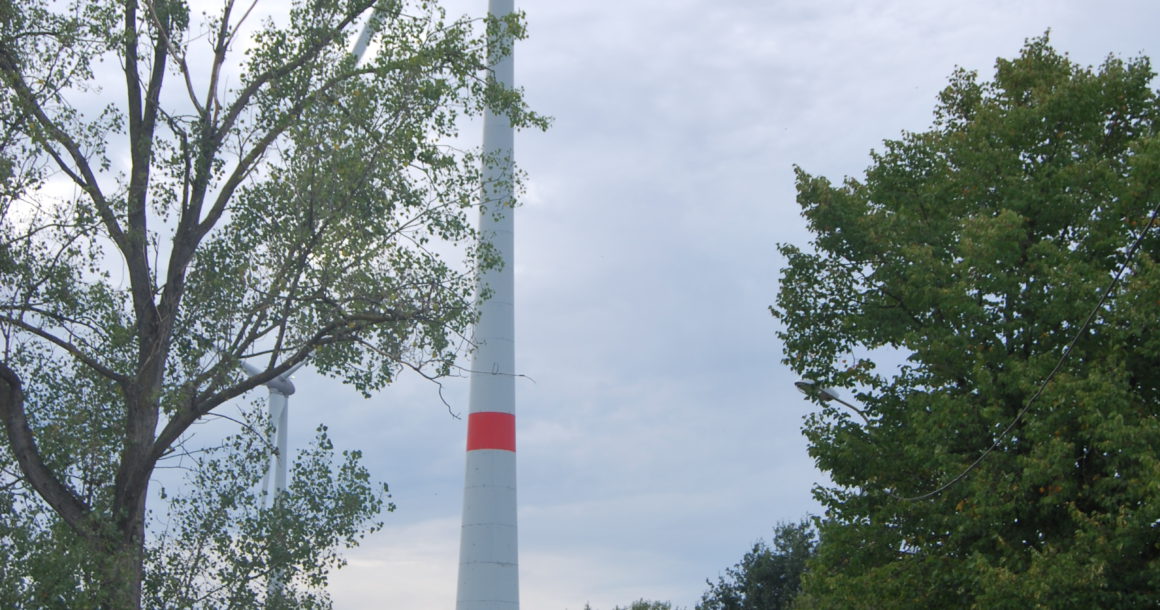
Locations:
(488, 565)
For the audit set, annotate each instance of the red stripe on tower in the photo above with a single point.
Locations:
(491, 430)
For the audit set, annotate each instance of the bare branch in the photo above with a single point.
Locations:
(83, 176)
(294, 64)
(20, 438)
(71, 349)
(167, 40)
(346, 329)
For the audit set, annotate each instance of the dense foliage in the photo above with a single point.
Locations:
(181, 192)
(768, 576)
(1014, 459)
(643, 604)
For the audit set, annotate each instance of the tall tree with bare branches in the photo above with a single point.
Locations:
(180, 192)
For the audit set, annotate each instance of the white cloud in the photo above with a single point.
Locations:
(402, 567)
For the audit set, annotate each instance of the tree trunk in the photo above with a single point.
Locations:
(122, 569)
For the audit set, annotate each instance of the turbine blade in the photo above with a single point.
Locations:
(293, 369)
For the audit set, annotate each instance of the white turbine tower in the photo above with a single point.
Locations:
(280, 389)
(488, 553)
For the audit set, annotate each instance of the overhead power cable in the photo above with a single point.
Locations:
(1058, 365)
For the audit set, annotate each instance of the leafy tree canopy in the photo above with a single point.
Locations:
(182, 191)
(641, 604)
(1014, 459)
(768, 576)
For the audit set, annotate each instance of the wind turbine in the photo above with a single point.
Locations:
(280, 389)
(488, 545)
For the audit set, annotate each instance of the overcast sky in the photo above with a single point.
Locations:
(658, 433)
